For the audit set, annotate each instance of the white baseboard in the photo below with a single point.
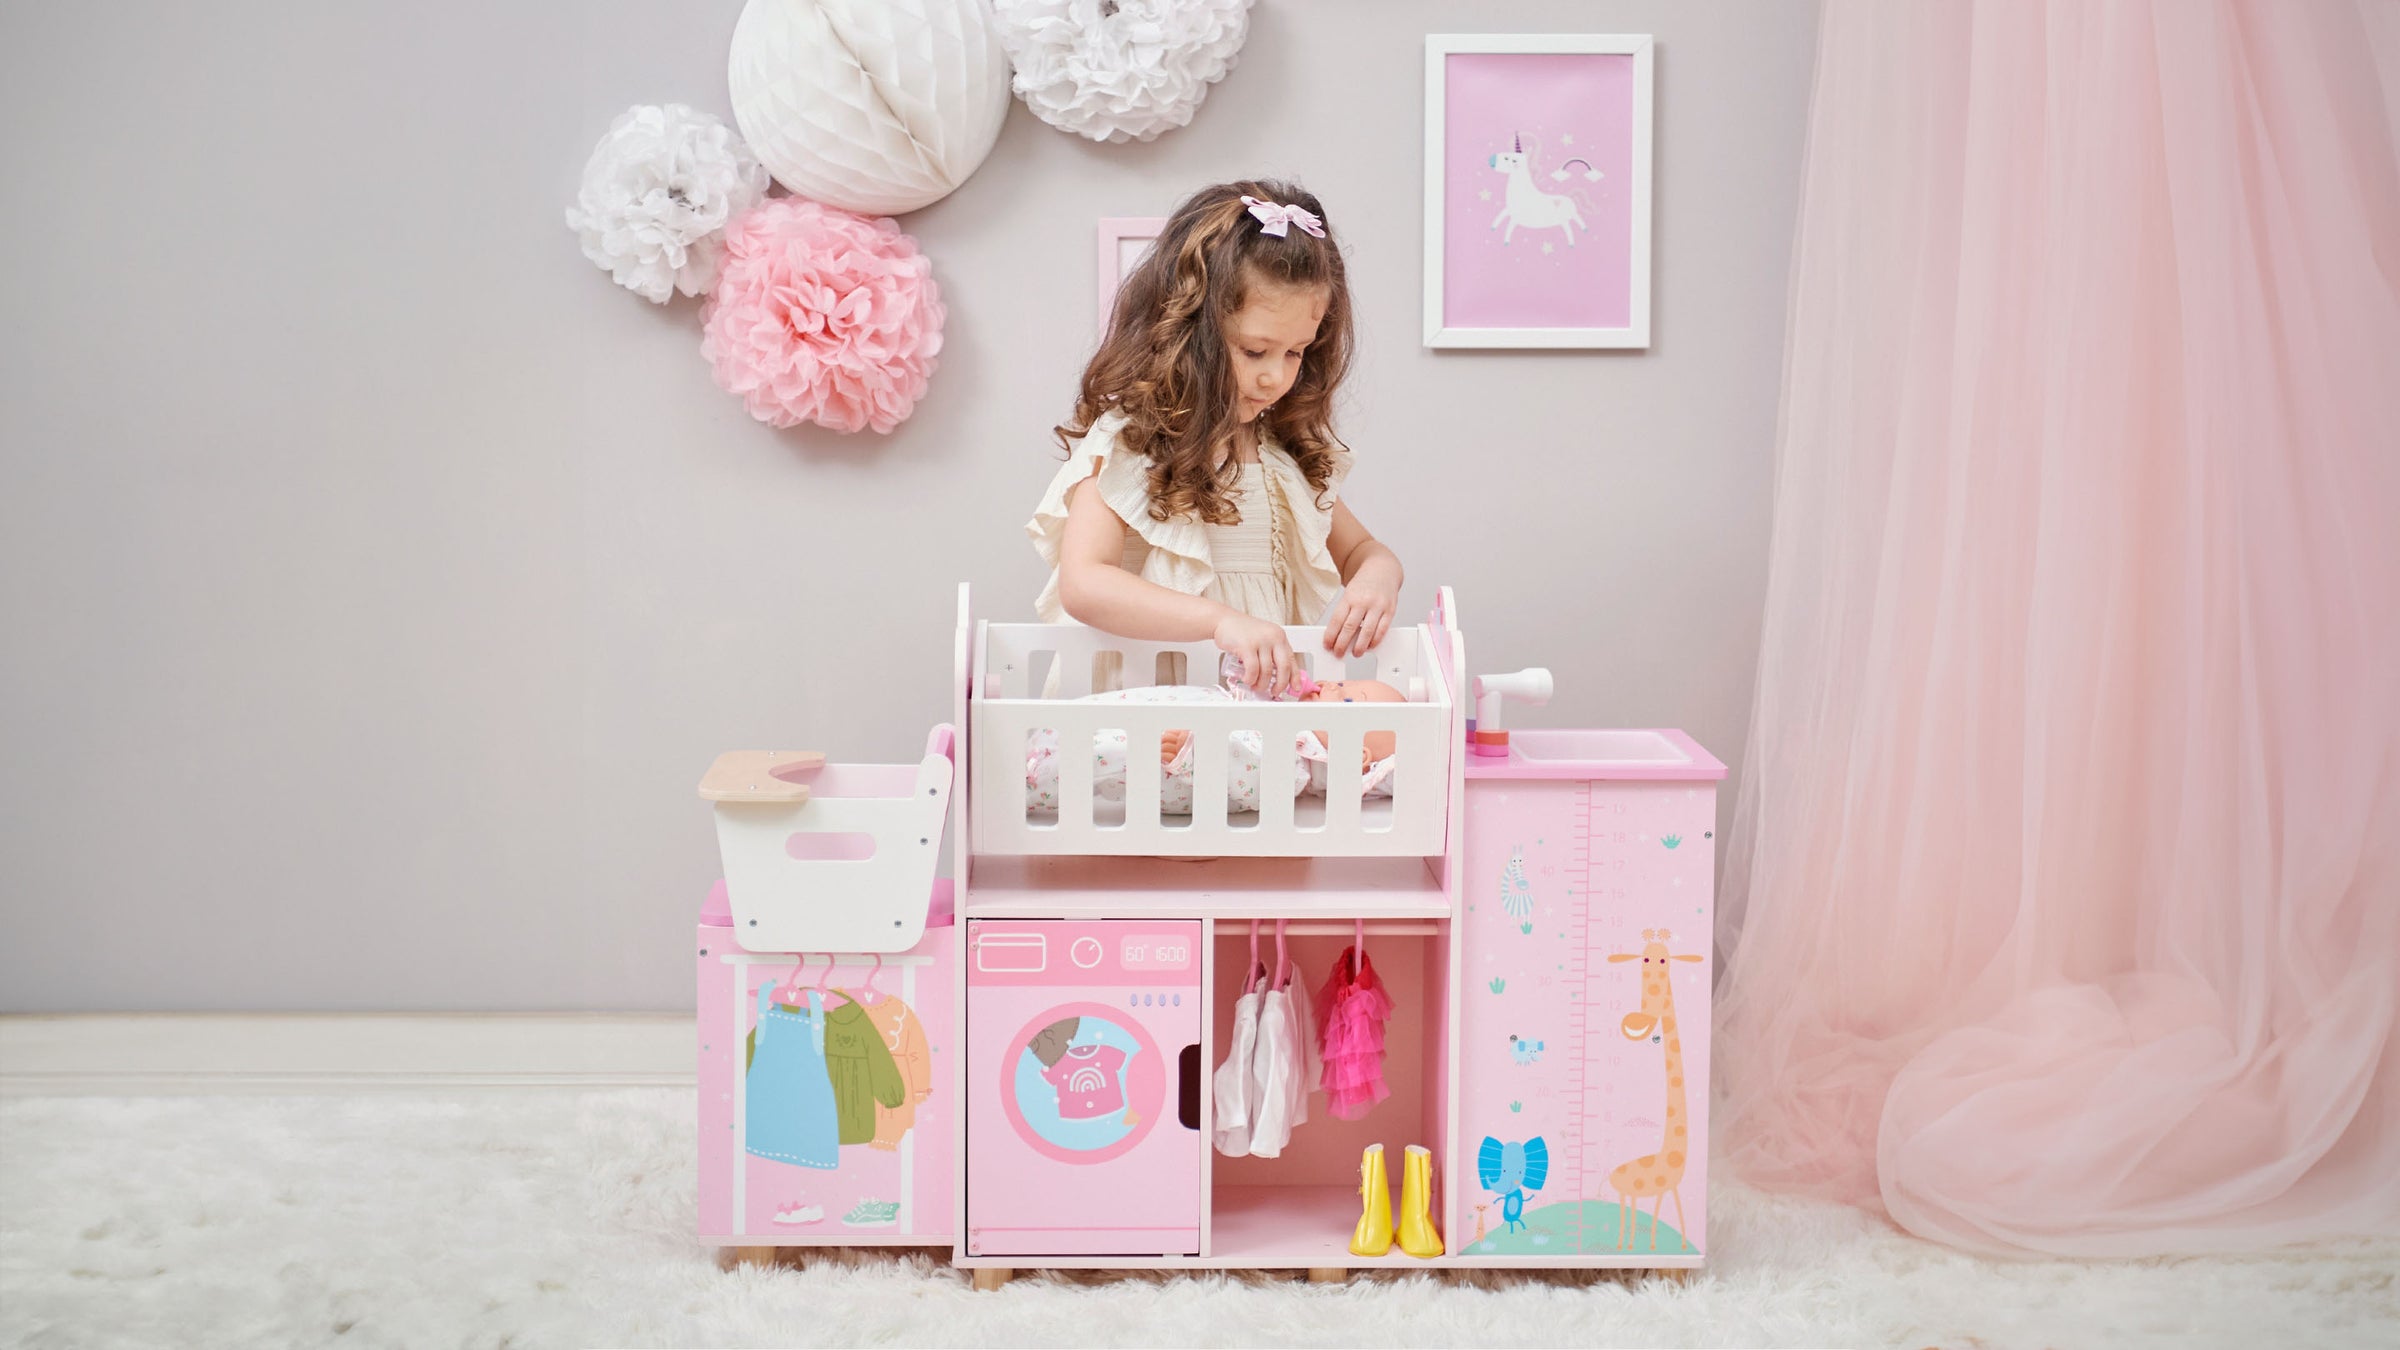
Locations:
(172, 1054)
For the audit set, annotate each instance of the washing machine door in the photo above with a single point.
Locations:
(1086, 1085)
(1077, 1137)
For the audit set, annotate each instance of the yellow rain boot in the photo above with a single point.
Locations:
(1417, 1235)
(1373, 1236)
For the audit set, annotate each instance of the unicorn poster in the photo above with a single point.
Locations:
(1537, 185)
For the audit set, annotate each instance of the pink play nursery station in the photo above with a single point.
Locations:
(1442, 1003)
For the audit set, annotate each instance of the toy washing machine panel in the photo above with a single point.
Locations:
(1080, 1140)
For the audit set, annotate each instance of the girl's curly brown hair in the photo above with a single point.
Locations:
(1164, 362)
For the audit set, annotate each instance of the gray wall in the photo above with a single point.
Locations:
(377, 578)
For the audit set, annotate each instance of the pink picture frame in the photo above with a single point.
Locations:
(1123, 241)
(1537, 190)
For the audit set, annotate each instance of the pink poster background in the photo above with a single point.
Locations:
(1564, 106)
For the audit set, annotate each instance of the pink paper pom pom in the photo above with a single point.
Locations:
(822, 316)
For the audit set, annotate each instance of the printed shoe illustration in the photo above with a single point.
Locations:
(873, 1214)
(794, 1214)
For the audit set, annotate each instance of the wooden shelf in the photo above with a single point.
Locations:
(1004, 886)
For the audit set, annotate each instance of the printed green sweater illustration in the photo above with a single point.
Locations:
(863, 1072)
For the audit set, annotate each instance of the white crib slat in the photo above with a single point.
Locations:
(1342, 783)
(1418, 799)
(1277, 762)
(997, 758)
(1211, 745)
(1141, 771)
(1074, 773)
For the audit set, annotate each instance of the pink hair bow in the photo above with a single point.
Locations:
(1277, 219)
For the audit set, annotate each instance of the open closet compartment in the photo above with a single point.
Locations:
(1055, 773)
(1298, 1207)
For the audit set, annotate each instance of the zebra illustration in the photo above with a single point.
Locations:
(1516, 896)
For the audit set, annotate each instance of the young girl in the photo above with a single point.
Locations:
(1200, 497)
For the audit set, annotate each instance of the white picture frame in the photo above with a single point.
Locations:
(1464, 305)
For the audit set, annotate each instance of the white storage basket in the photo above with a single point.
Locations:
(829, 857)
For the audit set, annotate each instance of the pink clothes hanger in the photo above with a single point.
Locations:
(869, 993)
(789, 994)
(1283, 960)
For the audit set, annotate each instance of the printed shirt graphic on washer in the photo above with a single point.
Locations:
(1085, 1079)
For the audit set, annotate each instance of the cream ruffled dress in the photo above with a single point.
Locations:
(1274, 564)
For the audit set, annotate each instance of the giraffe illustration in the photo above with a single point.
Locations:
(1659, 1174)
(1479, 1229)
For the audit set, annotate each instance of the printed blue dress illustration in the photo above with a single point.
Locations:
(1509, 1171)
(789, 1113)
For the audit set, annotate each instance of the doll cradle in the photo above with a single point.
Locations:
(1011, 661)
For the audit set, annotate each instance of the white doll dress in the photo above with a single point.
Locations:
(1274, 1075)
(1304, 1030)
(1236, 1089)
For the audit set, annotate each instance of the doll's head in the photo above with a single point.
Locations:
(1309, 690)
(1237, 319)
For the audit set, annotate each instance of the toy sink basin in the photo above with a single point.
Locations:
(1597, 747)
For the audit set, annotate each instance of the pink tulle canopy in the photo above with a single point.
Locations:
(2067, 853)
(822, 316)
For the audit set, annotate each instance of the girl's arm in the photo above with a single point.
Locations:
(1096, 590)
(1370, 586)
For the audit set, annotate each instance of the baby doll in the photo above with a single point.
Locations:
(1305, 689)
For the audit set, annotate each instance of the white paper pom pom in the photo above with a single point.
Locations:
(1120, 70)
(656, 195)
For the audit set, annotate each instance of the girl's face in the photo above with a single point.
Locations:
(1267, 339)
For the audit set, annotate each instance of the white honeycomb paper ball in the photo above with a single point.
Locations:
(874, 106)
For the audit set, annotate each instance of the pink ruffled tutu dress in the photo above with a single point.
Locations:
(1354, 1007)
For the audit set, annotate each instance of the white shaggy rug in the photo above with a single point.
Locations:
(560, 1218)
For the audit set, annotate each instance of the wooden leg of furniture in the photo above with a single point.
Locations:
(749, 1256)
(1328, 1275)
(988, 1278)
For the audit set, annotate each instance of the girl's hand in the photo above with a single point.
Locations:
(1363, 615)
(1265, 650)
